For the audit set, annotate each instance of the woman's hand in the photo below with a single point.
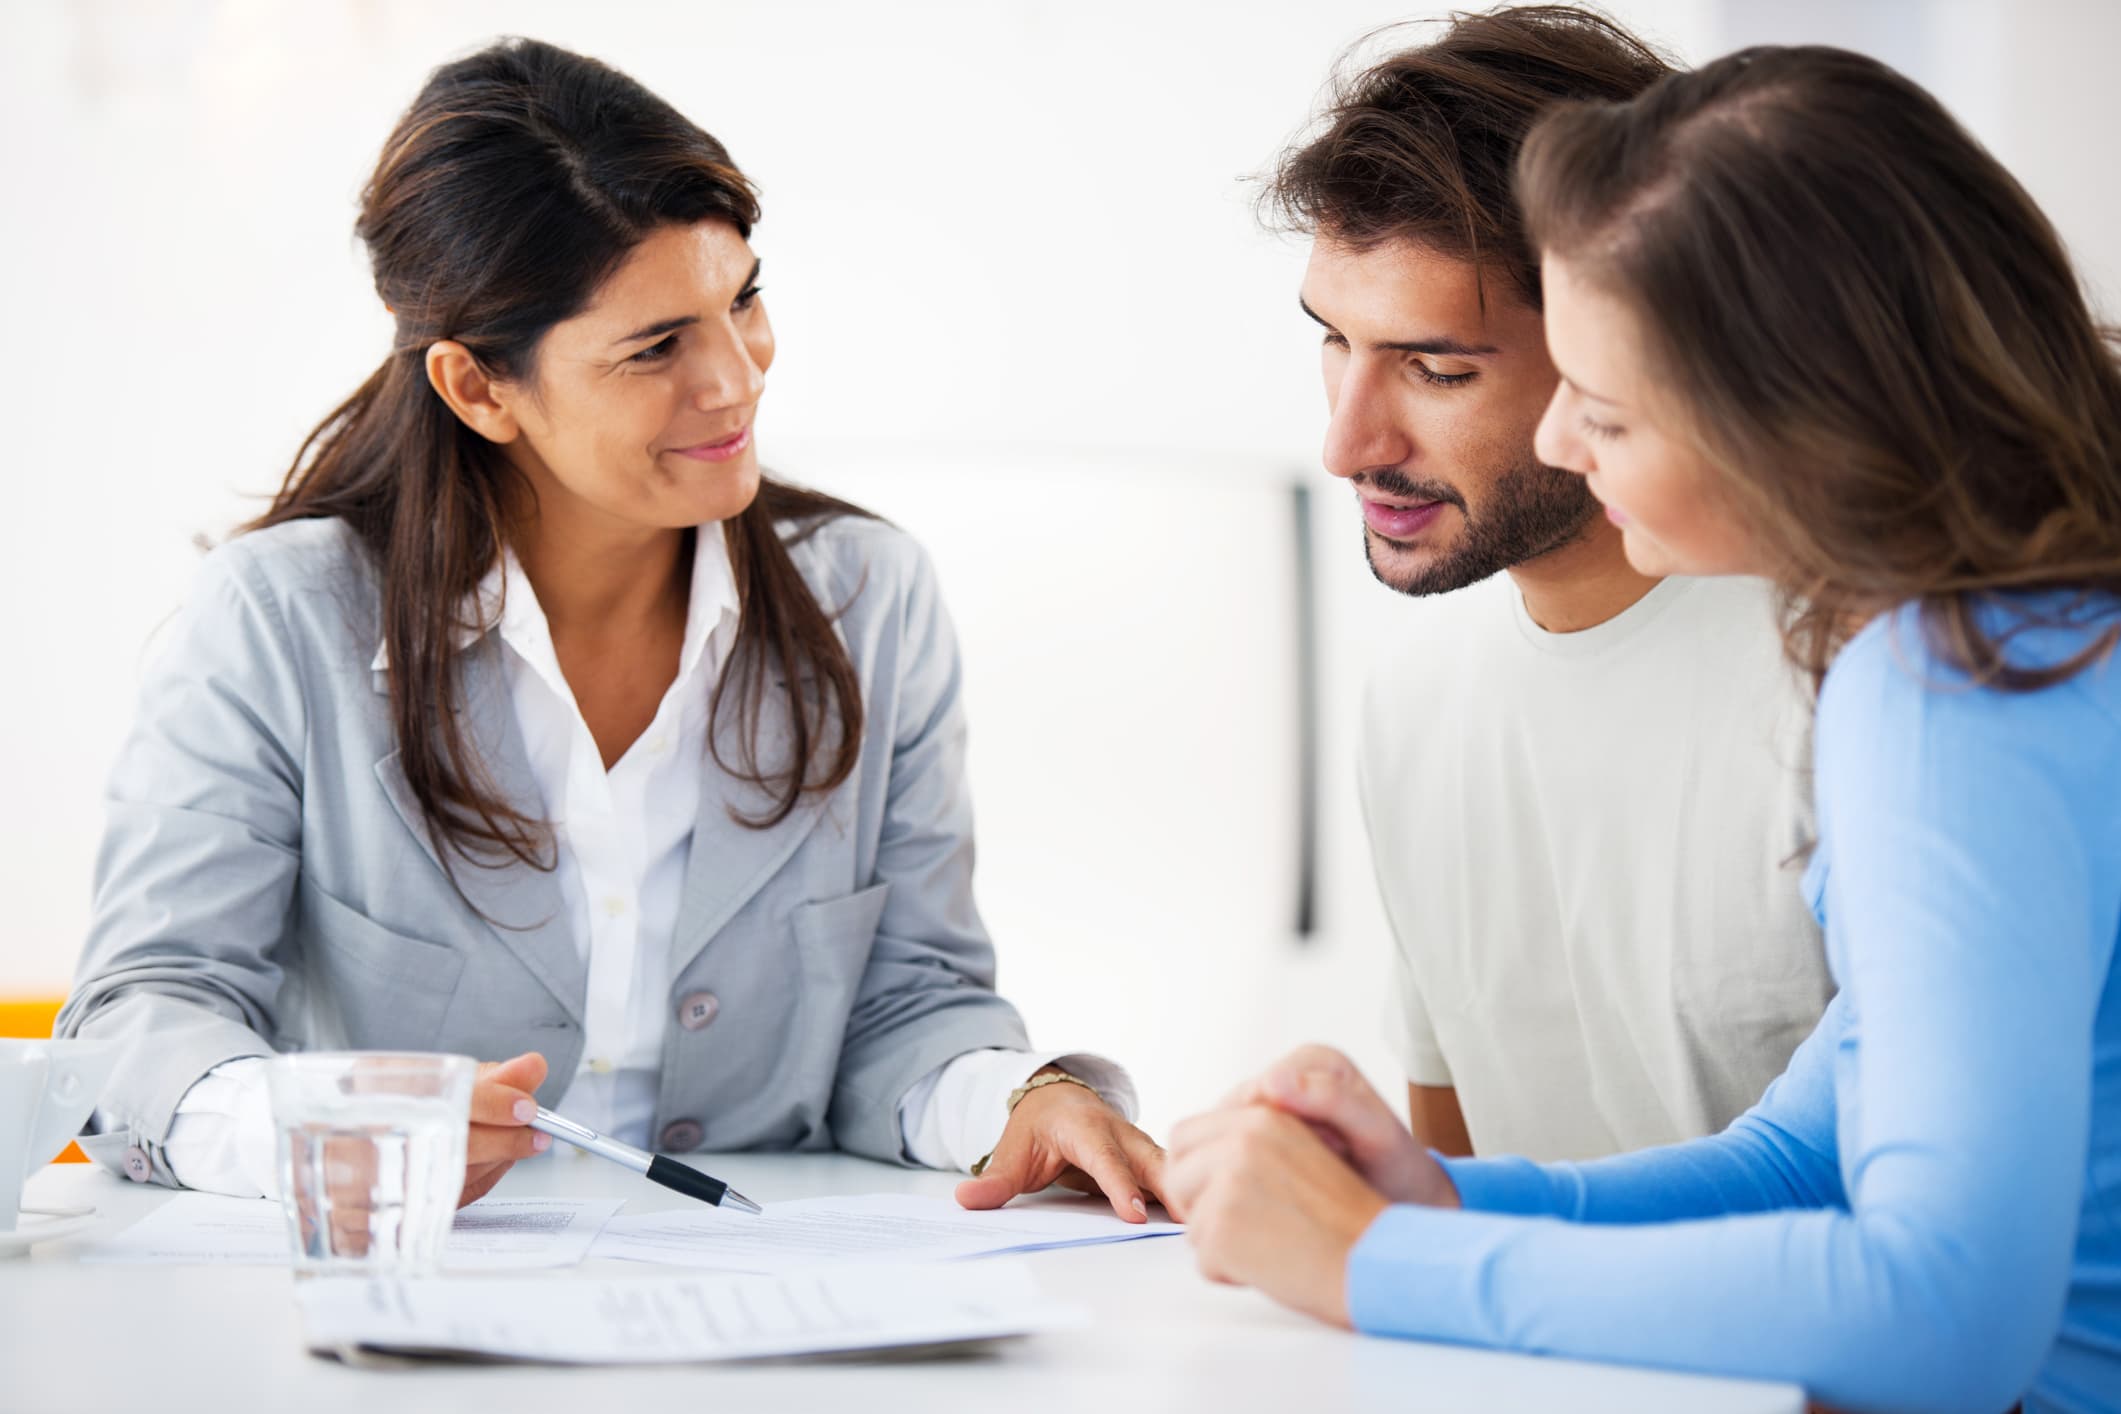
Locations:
(1269, 1205)
(1280, 1183)
(1067, 1134)
(502, 1106)
(1323, 1088)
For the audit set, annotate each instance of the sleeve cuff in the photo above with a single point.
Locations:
(1421, 1273)
(1420, 1061)
(957, 1112)
(1104, 1076)
(1383, 1294)
(1515, 1186)
(1418, 1271)
(221, 1136)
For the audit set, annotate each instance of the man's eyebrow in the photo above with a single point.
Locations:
(1440, 347)
(1448, 348)
(664, 326)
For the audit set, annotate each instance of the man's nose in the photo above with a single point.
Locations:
(1363, 433)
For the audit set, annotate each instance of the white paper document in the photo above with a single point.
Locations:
(492, 1234)
(647, 1320)
(886, 1227)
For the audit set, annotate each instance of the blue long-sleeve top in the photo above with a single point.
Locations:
(1924, 1211)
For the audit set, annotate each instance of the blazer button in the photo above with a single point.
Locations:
(681, 1136)
(698, 1009)
(137, 1168)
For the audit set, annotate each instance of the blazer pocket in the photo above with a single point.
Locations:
(388, 990)
(833, 938)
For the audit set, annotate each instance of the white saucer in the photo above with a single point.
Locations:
(34, 1225)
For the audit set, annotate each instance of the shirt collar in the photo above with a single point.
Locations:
(714, 600)
(505, 601)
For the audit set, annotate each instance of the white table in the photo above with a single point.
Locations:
(172, 1340)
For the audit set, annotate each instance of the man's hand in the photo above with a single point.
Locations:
(1267, 1204)
(1067, 1134)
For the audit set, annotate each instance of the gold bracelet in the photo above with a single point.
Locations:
(1016, 1097)
(1051, 1077)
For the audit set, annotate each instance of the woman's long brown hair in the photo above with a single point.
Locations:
(520, 178)
(1875, 335)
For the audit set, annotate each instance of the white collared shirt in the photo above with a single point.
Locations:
(623, 837)
(623, 834)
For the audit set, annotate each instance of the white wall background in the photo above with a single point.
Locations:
(1022, 308)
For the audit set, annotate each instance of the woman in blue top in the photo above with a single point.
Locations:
(1807, 328)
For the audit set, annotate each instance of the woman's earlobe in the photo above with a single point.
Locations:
(471, 393)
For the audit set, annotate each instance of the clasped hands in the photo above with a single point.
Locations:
(1278, 1184)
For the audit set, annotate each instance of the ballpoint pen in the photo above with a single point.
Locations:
(679, 1178)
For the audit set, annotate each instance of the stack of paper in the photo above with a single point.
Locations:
(663, 1319)
(895, 1227)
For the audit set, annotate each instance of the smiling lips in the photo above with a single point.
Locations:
(718, 451)
(1399, 522)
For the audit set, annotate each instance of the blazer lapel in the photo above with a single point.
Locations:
(522, 907)
(729, 862)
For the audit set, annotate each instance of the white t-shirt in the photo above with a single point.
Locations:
(1585, 844)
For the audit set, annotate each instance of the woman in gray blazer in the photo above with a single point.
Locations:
(532, 722)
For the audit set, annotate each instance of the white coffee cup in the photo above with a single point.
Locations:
(47, 1089)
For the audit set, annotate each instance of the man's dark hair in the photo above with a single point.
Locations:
(1422, 145)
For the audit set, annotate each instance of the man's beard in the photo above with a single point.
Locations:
(1530, 510)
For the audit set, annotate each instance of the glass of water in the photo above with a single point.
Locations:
(371, 1156)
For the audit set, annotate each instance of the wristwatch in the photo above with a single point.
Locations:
(1016, 1097)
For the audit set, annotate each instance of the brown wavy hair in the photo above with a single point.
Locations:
(1876, 337)
(518, 181)
(1420, 144)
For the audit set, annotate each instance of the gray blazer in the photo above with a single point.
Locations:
(265, 882)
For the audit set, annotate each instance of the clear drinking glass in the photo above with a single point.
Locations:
(371, 1156)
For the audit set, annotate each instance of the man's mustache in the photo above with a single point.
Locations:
(1406, 488)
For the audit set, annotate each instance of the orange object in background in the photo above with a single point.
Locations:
(31, 1018)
